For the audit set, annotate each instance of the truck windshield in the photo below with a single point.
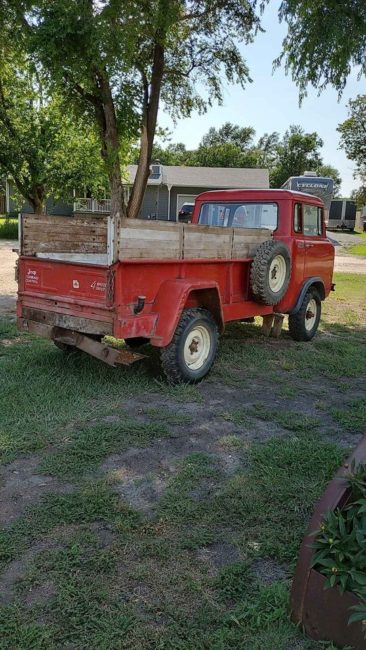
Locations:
(240, 215)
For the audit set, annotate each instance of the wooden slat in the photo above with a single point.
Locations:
(204, 242)
(79, 258)
(150, 240)
(64, 247)
(67, 237)
(170, 240)
(246, 241)
(58, 220)
(50, 236)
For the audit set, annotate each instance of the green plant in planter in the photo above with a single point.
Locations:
(340, 544)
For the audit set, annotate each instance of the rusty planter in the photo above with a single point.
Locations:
(324, 614)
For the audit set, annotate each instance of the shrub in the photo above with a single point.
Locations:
(8, 228)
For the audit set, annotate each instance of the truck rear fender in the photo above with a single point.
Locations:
(175, 295)
(315, 282)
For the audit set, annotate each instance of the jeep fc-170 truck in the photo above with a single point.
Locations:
(246, 253)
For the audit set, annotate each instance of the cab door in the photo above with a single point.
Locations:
(317, 253)
(299, 251)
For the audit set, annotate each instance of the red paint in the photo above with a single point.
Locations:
(222, 286)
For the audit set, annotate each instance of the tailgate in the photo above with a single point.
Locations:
(81, 239)
(73, 283)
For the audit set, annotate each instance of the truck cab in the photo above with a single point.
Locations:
(295, 218)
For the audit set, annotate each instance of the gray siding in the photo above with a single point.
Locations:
(183, 190)
(155, 202)
(52, 206)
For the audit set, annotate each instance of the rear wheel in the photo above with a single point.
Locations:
(303, 325)
(192, 351)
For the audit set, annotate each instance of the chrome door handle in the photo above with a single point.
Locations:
(308, 245)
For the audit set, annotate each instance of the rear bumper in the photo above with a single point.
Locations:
(73, 340)
(87, 323)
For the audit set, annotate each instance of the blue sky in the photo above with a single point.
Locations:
(271, 103)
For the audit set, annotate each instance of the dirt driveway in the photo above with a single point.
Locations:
(8, 287)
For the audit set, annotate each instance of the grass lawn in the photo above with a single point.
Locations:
(143, 516)
(358, 249)
(8, 228)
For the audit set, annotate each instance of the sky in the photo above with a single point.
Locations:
(271, 103)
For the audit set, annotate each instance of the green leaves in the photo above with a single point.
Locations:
(324, 41)
(353, 138)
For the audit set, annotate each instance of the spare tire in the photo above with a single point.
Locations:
(270, 272)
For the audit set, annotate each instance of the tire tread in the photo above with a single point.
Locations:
(259, 272)
(169, 354)
(296, 322)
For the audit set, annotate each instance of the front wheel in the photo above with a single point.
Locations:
(303, 325)
(192, 351)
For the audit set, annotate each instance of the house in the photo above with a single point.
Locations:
(168, 188)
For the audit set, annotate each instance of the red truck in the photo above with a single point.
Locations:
(246, 253)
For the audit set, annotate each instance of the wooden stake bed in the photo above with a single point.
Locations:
(94, 240)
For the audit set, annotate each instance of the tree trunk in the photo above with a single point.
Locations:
(38, 205)
(35, 195)
(107, 120)
(38, 196)
(150, 114)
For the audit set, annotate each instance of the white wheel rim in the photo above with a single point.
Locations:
(311, 314)
(277, 273)
(197, 347)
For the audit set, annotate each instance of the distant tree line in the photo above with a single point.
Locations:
(232, 145)
(80, 80)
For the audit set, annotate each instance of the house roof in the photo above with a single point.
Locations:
(210, 177)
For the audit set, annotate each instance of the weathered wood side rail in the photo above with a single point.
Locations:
(94, 240)
(169, 240)
(77, 239)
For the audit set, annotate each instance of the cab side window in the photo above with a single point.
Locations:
(312, 220)
(298, 217)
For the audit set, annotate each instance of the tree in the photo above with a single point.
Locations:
(359, 196)
(23, 131)
(324, 41)
(296, 152)
(116, 61)
(172, 154)
(229, 146)
(267, 147)
(331, 172)
(353, 134)
(228, 133)
(43, 148)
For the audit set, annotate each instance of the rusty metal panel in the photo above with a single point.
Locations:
(67, 321)
(326, 613)
(307, 596)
